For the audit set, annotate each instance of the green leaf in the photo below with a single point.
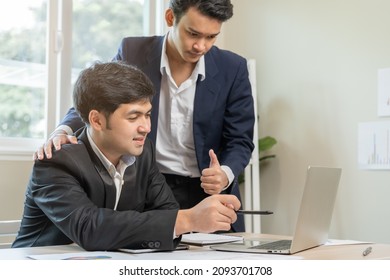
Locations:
(266, 143)
(266, 157)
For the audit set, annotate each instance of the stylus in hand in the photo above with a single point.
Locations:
(254, 212)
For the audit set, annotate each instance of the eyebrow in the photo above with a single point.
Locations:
(138, 112)
(200, 33)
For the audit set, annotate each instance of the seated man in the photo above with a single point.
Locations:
(106, 192)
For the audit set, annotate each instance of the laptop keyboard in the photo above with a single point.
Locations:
(275, 245)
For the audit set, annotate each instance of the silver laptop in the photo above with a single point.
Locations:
(313, 220)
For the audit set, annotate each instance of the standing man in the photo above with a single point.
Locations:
(203, 112)
(106, 192)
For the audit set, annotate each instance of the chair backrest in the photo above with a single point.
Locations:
(8, 231)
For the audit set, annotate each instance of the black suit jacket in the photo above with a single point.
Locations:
(70, 198)
(223, 106)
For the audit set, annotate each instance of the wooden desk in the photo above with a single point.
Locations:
(347, 252)
(334, 252)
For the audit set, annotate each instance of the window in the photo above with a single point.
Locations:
(98, 27)
(43, 46)
(22, 71)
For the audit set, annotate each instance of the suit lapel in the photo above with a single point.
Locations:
(152, 70)
(206, 94)
(206, 98)
(108, 186)
(129, 191)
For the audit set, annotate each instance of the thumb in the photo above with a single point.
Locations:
(213, 159)
(230, 201)
(73, 139)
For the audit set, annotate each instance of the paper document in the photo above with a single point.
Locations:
(97, 255)
(332, 242)
(202, 239)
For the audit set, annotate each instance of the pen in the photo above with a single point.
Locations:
(367, 251)
(254, 212)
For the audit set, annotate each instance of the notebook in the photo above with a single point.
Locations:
(203, 239)
(313, 221)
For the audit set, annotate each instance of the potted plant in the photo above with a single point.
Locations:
(264, 144)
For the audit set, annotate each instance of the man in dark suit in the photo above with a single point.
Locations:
(106, 192)
(203, 112)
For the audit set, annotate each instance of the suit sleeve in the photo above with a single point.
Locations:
(237, 144)
(73, 120)
(125, 48)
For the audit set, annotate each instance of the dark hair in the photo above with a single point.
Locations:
(105, 86)
(221, 10)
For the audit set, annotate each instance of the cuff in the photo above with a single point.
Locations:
(229, 175)
(65, 128)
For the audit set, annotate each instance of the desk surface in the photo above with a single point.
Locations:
(332, 252)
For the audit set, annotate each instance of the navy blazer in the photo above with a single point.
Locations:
(70, 198)
(223, 108)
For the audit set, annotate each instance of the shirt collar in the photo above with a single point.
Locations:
(200, 68)
(124, 162)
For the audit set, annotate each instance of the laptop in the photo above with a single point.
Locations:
(313, 221)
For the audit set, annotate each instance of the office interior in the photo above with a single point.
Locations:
(317, 65)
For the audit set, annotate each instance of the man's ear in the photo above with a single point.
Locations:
(169, 17)
(97, 120)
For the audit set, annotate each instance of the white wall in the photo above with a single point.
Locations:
(317, 63)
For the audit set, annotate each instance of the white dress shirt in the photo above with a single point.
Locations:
(175, 148)
(175, 142)
(116, 172)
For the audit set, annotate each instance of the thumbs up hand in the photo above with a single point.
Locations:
(213, 179)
